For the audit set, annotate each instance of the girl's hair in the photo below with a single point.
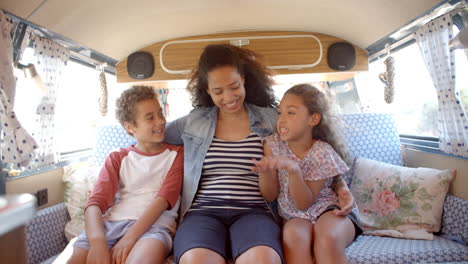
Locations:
(257, 77)
(325, 130)
(125, 105)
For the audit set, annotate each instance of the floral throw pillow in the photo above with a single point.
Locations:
(79, 181)
(399, 201)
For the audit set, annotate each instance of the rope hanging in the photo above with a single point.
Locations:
(387, 78)
(103, 97)
(390, 74)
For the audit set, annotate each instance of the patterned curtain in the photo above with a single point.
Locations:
(163, 93)
(51, 61)
(433, 39)
(17, 144)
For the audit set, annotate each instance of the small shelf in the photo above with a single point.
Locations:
(243, 41)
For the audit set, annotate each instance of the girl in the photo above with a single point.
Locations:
(298, 168)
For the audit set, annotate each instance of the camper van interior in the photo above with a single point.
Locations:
(394, 72)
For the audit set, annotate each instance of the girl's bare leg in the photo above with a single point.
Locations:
(298, 235)
(332, 235)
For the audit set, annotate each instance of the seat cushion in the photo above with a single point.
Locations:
(383, 250)
(372, 135)
(455, 219)
(399, 201)
(44, 234)
(108, 139)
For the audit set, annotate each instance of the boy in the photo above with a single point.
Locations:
(139, 227)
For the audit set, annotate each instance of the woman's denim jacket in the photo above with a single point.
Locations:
(196, 130)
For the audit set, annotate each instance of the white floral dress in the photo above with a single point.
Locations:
(321, 162)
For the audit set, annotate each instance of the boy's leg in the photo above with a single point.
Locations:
(298, 235)
(148, 250)
(256, 238)
(152, 247)
(332, 235)
(78, 256)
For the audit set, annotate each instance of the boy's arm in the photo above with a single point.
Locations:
(108, 182)
(268, 178)
(172, 185)
(121, 250)
(98, 202)
(98, 251)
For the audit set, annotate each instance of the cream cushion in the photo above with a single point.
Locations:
(399, 201)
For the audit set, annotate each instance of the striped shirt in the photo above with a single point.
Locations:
(227, 181)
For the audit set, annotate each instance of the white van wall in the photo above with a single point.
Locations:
(459, 187)
(52, 180)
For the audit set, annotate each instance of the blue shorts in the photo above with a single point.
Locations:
(227, 232)
(115, 230)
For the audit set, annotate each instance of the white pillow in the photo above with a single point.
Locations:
(399, 201)
(80, 179)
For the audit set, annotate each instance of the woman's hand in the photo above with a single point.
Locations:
(121, 250)
(264, 166)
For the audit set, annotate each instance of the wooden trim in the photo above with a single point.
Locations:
(277, 51)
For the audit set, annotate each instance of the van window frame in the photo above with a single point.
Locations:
(421, 143)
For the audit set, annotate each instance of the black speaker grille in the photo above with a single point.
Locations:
(341, 56)
(140, 65)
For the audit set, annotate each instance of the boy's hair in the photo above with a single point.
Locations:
(325, 130)
(258, 78)
(125, 105)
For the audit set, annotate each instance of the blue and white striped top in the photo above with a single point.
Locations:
(227, 181)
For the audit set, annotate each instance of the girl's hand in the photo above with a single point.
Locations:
(98, 254)
(345, 202)
(121, 250)
(288, 164)
(268, 164)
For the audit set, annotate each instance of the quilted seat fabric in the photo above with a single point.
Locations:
(387, 250)
(44, 234)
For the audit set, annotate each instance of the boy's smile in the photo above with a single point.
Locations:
(149, 126)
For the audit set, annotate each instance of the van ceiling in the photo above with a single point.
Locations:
(118, 27)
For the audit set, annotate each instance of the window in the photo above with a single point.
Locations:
(343, 95)
(415, 98)
(178, 99)
(77, 110)
(415, 104)
(77, 107)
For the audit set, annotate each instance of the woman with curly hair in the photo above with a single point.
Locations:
(223, 214)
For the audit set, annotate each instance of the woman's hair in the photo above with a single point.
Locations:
(325, 130)
(125, 104)
(258, 79)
